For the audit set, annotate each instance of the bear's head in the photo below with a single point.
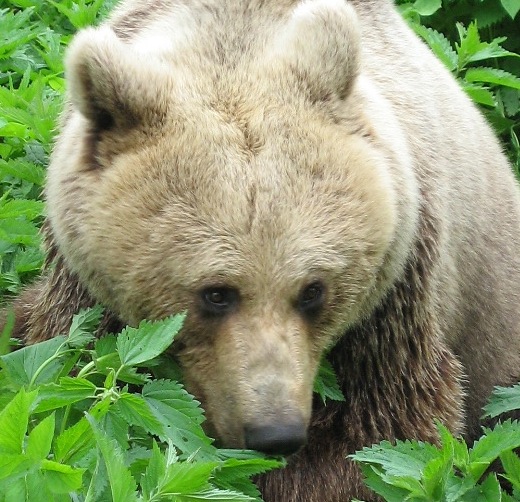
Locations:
(232, 167)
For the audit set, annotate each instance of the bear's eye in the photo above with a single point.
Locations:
(219, 300)
(311, 298)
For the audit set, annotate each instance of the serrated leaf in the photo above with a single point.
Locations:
(503, 400)
(154, 473)
(215, 495)
(180, 415)
(373, 479)
(136, 411)
(68, 391)
(40, 439)
(488, 491)
(505, 436)
(493, 76)
(235, 474)
(138, 345)
(14, 419)
(479, 94)
(75, 442)
(405, 458)
(511, 463)
(122, 485)
(36, 362)
(326, 383)
(439, 45)
(83, 325)
(187, 477)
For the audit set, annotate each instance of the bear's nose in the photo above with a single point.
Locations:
(279, 439)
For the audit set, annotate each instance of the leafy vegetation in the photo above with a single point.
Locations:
(450, 472)
(81, 419)
(94, 420)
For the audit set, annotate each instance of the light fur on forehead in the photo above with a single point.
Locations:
(109, 82)
(321, 41)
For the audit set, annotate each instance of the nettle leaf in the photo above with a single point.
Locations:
(68, 391)
(36, 364)
(439, 45)
(427, 7)
(503, 400)
(493, 76)
(136, 411)
(154, 473)
(326, 383)
(180, 416)
(235, 474)
(61, 478)
(14, 419)
(405, 458)
(471, 49)
(478, 93)
(122, 484)
(40, 439)
(511, 463)
(512, 7)
(503, 437)
(215, 495)
(77, 441)
(138, 345)
(83, 325)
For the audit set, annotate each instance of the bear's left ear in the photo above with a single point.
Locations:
(111, 84)
(321, 44)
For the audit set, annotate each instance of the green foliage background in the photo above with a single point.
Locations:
(479, 42)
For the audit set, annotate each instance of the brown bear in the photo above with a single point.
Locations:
(300, 176)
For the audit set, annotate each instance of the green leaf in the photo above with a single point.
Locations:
(488, 491)
(14, 419)
(122, 484)
(512, 7)
(503, 400)
(235, 474)
(493, 76)
(136, 411)
(439, 45)
(68, 391)
(505, 436)
(138, 345)
(326, 383)
(75, 443)
(427, 7)
(60, 478)
(154, 473)
(180, 415)
(511, 463)
(471, 49)
(83, 325)
(40, 362)
(40, 439)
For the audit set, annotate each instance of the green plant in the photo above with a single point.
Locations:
(450, 472)
(82, 420)
(479, 42)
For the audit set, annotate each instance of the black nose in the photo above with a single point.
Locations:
(279, 439)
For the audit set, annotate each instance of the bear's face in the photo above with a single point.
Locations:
(269, 220)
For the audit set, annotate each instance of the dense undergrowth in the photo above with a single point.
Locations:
(86, 421)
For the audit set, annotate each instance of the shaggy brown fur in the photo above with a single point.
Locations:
(264, 146)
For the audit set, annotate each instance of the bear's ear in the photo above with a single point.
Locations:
(321, 44)
(111, 85)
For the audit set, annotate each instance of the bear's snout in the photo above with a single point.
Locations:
(276, 439)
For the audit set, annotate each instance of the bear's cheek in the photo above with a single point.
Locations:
(251, 374)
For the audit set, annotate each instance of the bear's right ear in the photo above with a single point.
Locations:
(111, 85)
(321, 44)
